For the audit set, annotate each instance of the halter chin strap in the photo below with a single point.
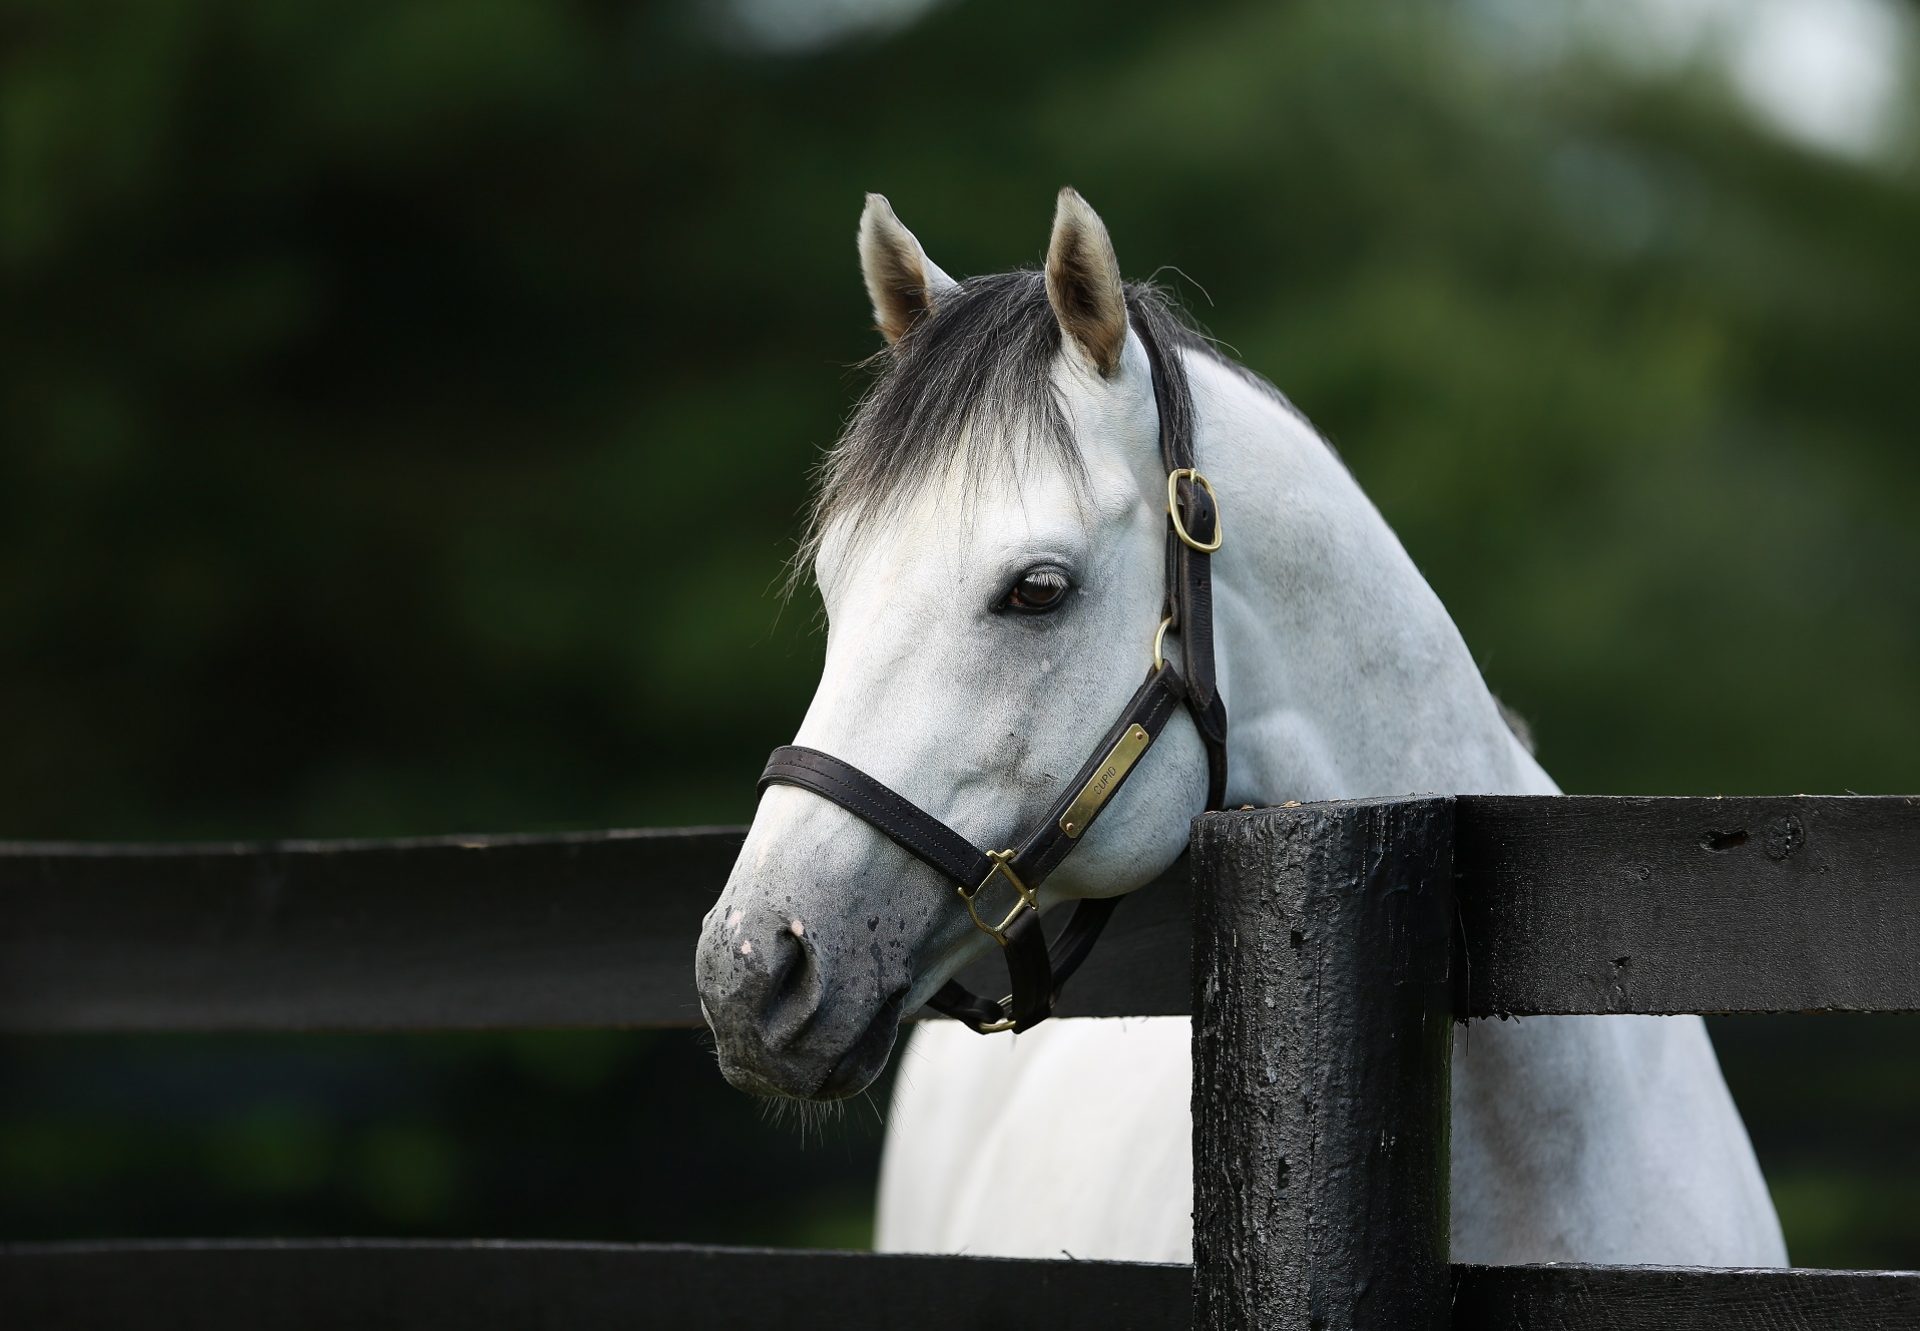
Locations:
(1039, 972)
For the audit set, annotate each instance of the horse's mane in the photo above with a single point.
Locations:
(977, 369)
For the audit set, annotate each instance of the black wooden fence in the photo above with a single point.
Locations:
(1333, 946)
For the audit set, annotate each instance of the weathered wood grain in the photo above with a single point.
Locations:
(324, 1285)
(1322, 1040)
(1663, 1298)
(1661, 905)
(451, 933)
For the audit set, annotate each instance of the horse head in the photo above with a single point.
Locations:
(989, 542)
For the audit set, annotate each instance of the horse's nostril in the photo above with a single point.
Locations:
(773, 987)
(791, 993)
(782, 962)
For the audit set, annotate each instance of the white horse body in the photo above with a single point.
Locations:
(1601, 1139)
(991, 597)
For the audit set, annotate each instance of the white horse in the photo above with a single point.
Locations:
(989, 548)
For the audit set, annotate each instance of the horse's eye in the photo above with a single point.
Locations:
(1038, 591)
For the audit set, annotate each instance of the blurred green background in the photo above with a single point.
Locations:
(358, 357)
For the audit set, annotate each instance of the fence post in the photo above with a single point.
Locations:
(1322, 1037)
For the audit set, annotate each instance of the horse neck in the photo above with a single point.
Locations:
(1343, 673)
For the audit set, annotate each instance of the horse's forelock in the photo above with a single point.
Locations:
(972, 381)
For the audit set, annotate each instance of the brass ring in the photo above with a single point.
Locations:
(1173, 509)
(1159, 661)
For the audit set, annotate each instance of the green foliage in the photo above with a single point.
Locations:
(407, 405)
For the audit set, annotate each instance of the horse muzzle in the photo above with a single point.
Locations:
(790, 1014)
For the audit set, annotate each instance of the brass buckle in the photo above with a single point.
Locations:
(1006, 1023)
(1002, 867)
(1173, 509)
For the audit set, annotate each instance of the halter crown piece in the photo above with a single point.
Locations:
(1039, 971)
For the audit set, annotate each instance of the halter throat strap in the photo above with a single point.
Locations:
(1038, 971)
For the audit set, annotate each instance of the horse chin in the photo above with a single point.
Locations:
(802, 1076)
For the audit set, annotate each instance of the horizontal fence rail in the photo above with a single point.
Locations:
(1572, 1297)
(431, 934)
(1601, 904)
(1619, 904)
(372, 1285)
(443, 933)
(484, 1285)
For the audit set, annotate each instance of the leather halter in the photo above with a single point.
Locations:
(1038, 971)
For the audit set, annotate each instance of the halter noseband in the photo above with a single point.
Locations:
(1039, 972)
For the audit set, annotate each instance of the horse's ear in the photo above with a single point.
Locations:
(1083, 282)
(902, 281)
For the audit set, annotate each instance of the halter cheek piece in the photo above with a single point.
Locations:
(1039, 972)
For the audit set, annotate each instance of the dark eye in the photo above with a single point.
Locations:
(1038, 591)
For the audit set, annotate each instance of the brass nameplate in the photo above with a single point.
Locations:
(1105, 780)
